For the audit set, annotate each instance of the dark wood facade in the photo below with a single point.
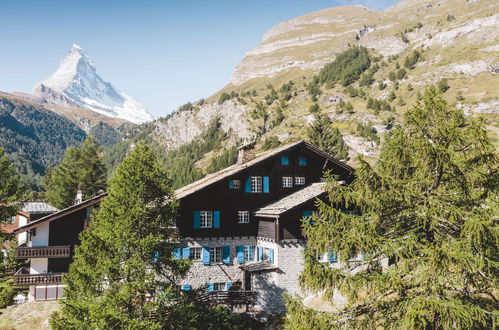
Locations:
(218, 196)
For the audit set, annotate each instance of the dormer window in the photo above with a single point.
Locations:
(234, 184)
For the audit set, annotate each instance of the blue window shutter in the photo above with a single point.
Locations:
(251, 253)
(186, 287)
(186, 253)
(206, 255)
(228, 285)
(271, 255)
(216, 219)
(210, 286)
(231, 184)
(284, 160)
(260, 253)
(247, 186)
(226, 255)
(266, 184)
(331, 256)
(197, 219)
(176, 253)
(240, 254)
(302, 161)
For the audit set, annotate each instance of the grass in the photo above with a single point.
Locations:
(31, 315)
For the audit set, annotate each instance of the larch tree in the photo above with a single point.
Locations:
(430, 205)
(123, 274)
(81, 168)
(326, 137)
(10, 188)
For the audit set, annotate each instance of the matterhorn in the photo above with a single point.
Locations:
(76, 83)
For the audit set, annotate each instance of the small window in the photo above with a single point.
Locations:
(12, 219)
(248, 253)
(287, 181)
(302, 161)
(299, 181)
(284, 160)
(206, 219)
(215, 255)
(256, 184)
(243, 216)
(219, 286)
(319, 256)
(195, 253)
(234, 184)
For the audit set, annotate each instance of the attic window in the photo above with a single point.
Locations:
(302, 161)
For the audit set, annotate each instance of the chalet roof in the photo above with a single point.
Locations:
(258, 266)
(291, 201)
(61, 213)
(38, 208)
(231, 170)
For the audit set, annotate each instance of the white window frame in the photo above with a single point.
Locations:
(243, 216)
(287, 182)
(247, 253)
(219, 286)
(266, 254)
(320, 257)
(256, 184)
(236, 184)
(216, 255)
(206, 219)
(299, 180)
(196, 253)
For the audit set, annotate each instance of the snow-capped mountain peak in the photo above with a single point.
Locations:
(77, 80)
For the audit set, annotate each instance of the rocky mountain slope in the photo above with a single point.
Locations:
(76, 84)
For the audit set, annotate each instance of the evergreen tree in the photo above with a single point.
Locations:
(326, 137)
(430, 205)
(81, 168)
(123, 272)
(10, 188)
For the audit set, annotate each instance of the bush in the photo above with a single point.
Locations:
(7, 294)
(314, 108)
(411, 60)
(224, 97)
(443, 85)
(271, 143)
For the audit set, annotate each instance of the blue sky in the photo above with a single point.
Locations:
(162, 53)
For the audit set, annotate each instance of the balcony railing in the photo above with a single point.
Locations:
(61, 251)
(22, 277)
(229, 297)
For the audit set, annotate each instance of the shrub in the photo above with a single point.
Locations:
(224, 97)
(314, 108)
(6, 295)
(443, 85)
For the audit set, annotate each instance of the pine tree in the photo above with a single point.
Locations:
(10, 188)
(430, 206)
(123, 271)
(326, 137)
(81, 168)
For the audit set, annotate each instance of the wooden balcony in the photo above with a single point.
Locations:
(231, 298)
(22, 277)
(61, 251)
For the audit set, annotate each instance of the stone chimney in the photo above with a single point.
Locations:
(79, 196)
(246, 153)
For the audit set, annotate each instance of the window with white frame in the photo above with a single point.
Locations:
(195, 253)
(266, 254)
(243, 216)
(299, 180)
(287, 181)
(248, 253)
(219, 286)
(215, 255)
(206, 219)
(256, 184)
(235, 184)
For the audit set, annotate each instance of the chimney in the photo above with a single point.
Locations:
(246, 153)
(79, 196)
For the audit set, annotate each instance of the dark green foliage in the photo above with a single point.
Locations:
(35, 138)
(392, 96)
(401, 74)
(404, 37)
(224, 97)
(10, 189)
(225, 159)
(367, 132)
(81, 168)
(352, 91)
(343, 106)
(459, 96)
(368, 77)
(443, 85)
(114, 281)
(397, 65)
(314, 108)
(346, 68)
(313, 88)
(104, 134)
(189, 106)
(411, 60)
(326, 137)
(392, 76)
(271, 97)
(286, 90)
(381, 85)
(278, 116)
(378, 105)
(270, 143)
(7, 294)
(432, 209)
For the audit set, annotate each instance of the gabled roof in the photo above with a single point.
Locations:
(38, 208)
(291, 201)
(231, 170)
(61, 213)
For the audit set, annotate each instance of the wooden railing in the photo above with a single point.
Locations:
(62, 251)
(22, 277)
(229, 297)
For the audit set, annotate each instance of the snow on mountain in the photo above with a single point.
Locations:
(76, 80)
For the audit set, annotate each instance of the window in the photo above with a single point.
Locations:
(319, 256)
(302, 161)
(256, 184)
(299, 181)
(234, 184)
(243, 216)
(215, 255)
(287, 181)
(248, 253)
(195, 253)
(206, 219)
(284, 160)
(12, 219)
(219, 286)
